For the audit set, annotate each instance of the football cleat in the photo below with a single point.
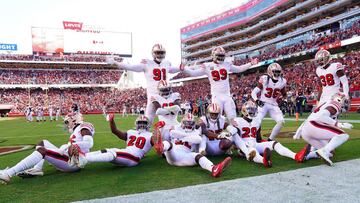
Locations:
(325, 156)
(300, 157)
(219, 168)
(30, 173)
(267, 158)
(4, 177)
(158, 145)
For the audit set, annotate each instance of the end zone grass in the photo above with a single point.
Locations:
(153, 173)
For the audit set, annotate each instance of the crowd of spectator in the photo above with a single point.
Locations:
(57, 57)
(31, 76)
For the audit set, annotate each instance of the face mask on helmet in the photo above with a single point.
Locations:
(322, 58)
(251, 112)
(213, 116)
(165, 91)
(340, 98)
(276, 74)
(218, 55)
(188, 126)
(274, 71)
(158, 53)
(142, 125)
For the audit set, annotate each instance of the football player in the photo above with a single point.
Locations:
(214, 142)
(167, 105)
(179, 151)
(331, 75)
(247, 137)
(138, 143)
(155, 70)
(218, 75)
(322, 129)
(271, 88)
(66, 158)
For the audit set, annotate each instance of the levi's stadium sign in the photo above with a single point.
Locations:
(78, 37)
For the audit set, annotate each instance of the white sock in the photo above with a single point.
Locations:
(258, 158)
(40, 165)
(206, 164)
(93, 157)
(167, 145)
(26, 163)
(276, 130)
(312, 155)
(336, 141)
(283, 151)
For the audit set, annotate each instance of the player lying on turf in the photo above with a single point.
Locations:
(179, 151)
(214, 143)
(138, 143)
(322, 129)
(217, 72)
(247, 137)
(155, 70)
(271, 88)
(66, 158)
(167, 105)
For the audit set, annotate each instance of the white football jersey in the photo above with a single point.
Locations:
(168, 103)
(248, 130)
(316, 114)
(187, 145)
(218, 75)
(329, 80)
(154, 73)
(77, 137)
(216, 127)
(138, 143)
(271, 91)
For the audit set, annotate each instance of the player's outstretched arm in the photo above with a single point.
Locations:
(344, 81)
(123, 66)
(243, 68)
(173, 69)
(194, 72)
(114, 130)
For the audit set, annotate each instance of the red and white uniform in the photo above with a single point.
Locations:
(183, 147)
(153, 73)
(269, 93)
(211, 145)
(329, 80)
(168, 113)
(58, 157)
(319, 129)
(218, 75)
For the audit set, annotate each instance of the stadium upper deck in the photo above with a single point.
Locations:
(259, 24)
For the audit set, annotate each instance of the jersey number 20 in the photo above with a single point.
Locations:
(139, 142)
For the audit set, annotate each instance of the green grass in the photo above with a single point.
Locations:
(153, 173)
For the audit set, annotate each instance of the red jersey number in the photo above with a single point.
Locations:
(327, 79)
(270, 92)
(139, 142)
(219, 74)
(249, 132)
(159, 74)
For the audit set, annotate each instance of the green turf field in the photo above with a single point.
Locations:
(153, 173)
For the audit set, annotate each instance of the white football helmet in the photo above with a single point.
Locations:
(71, 120)
(322, 57)
(213, 112)
(142, 123)
(218, 54)
(274, 71)
(158, 52)
(188, 122)
(164, 88)
(249, 109)
(340, 98)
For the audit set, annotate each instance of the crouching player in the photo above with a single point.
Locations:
(214, 142)
(322, 129)
(138, 143)
(179, 151)
(66, 158)
(247, 137)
